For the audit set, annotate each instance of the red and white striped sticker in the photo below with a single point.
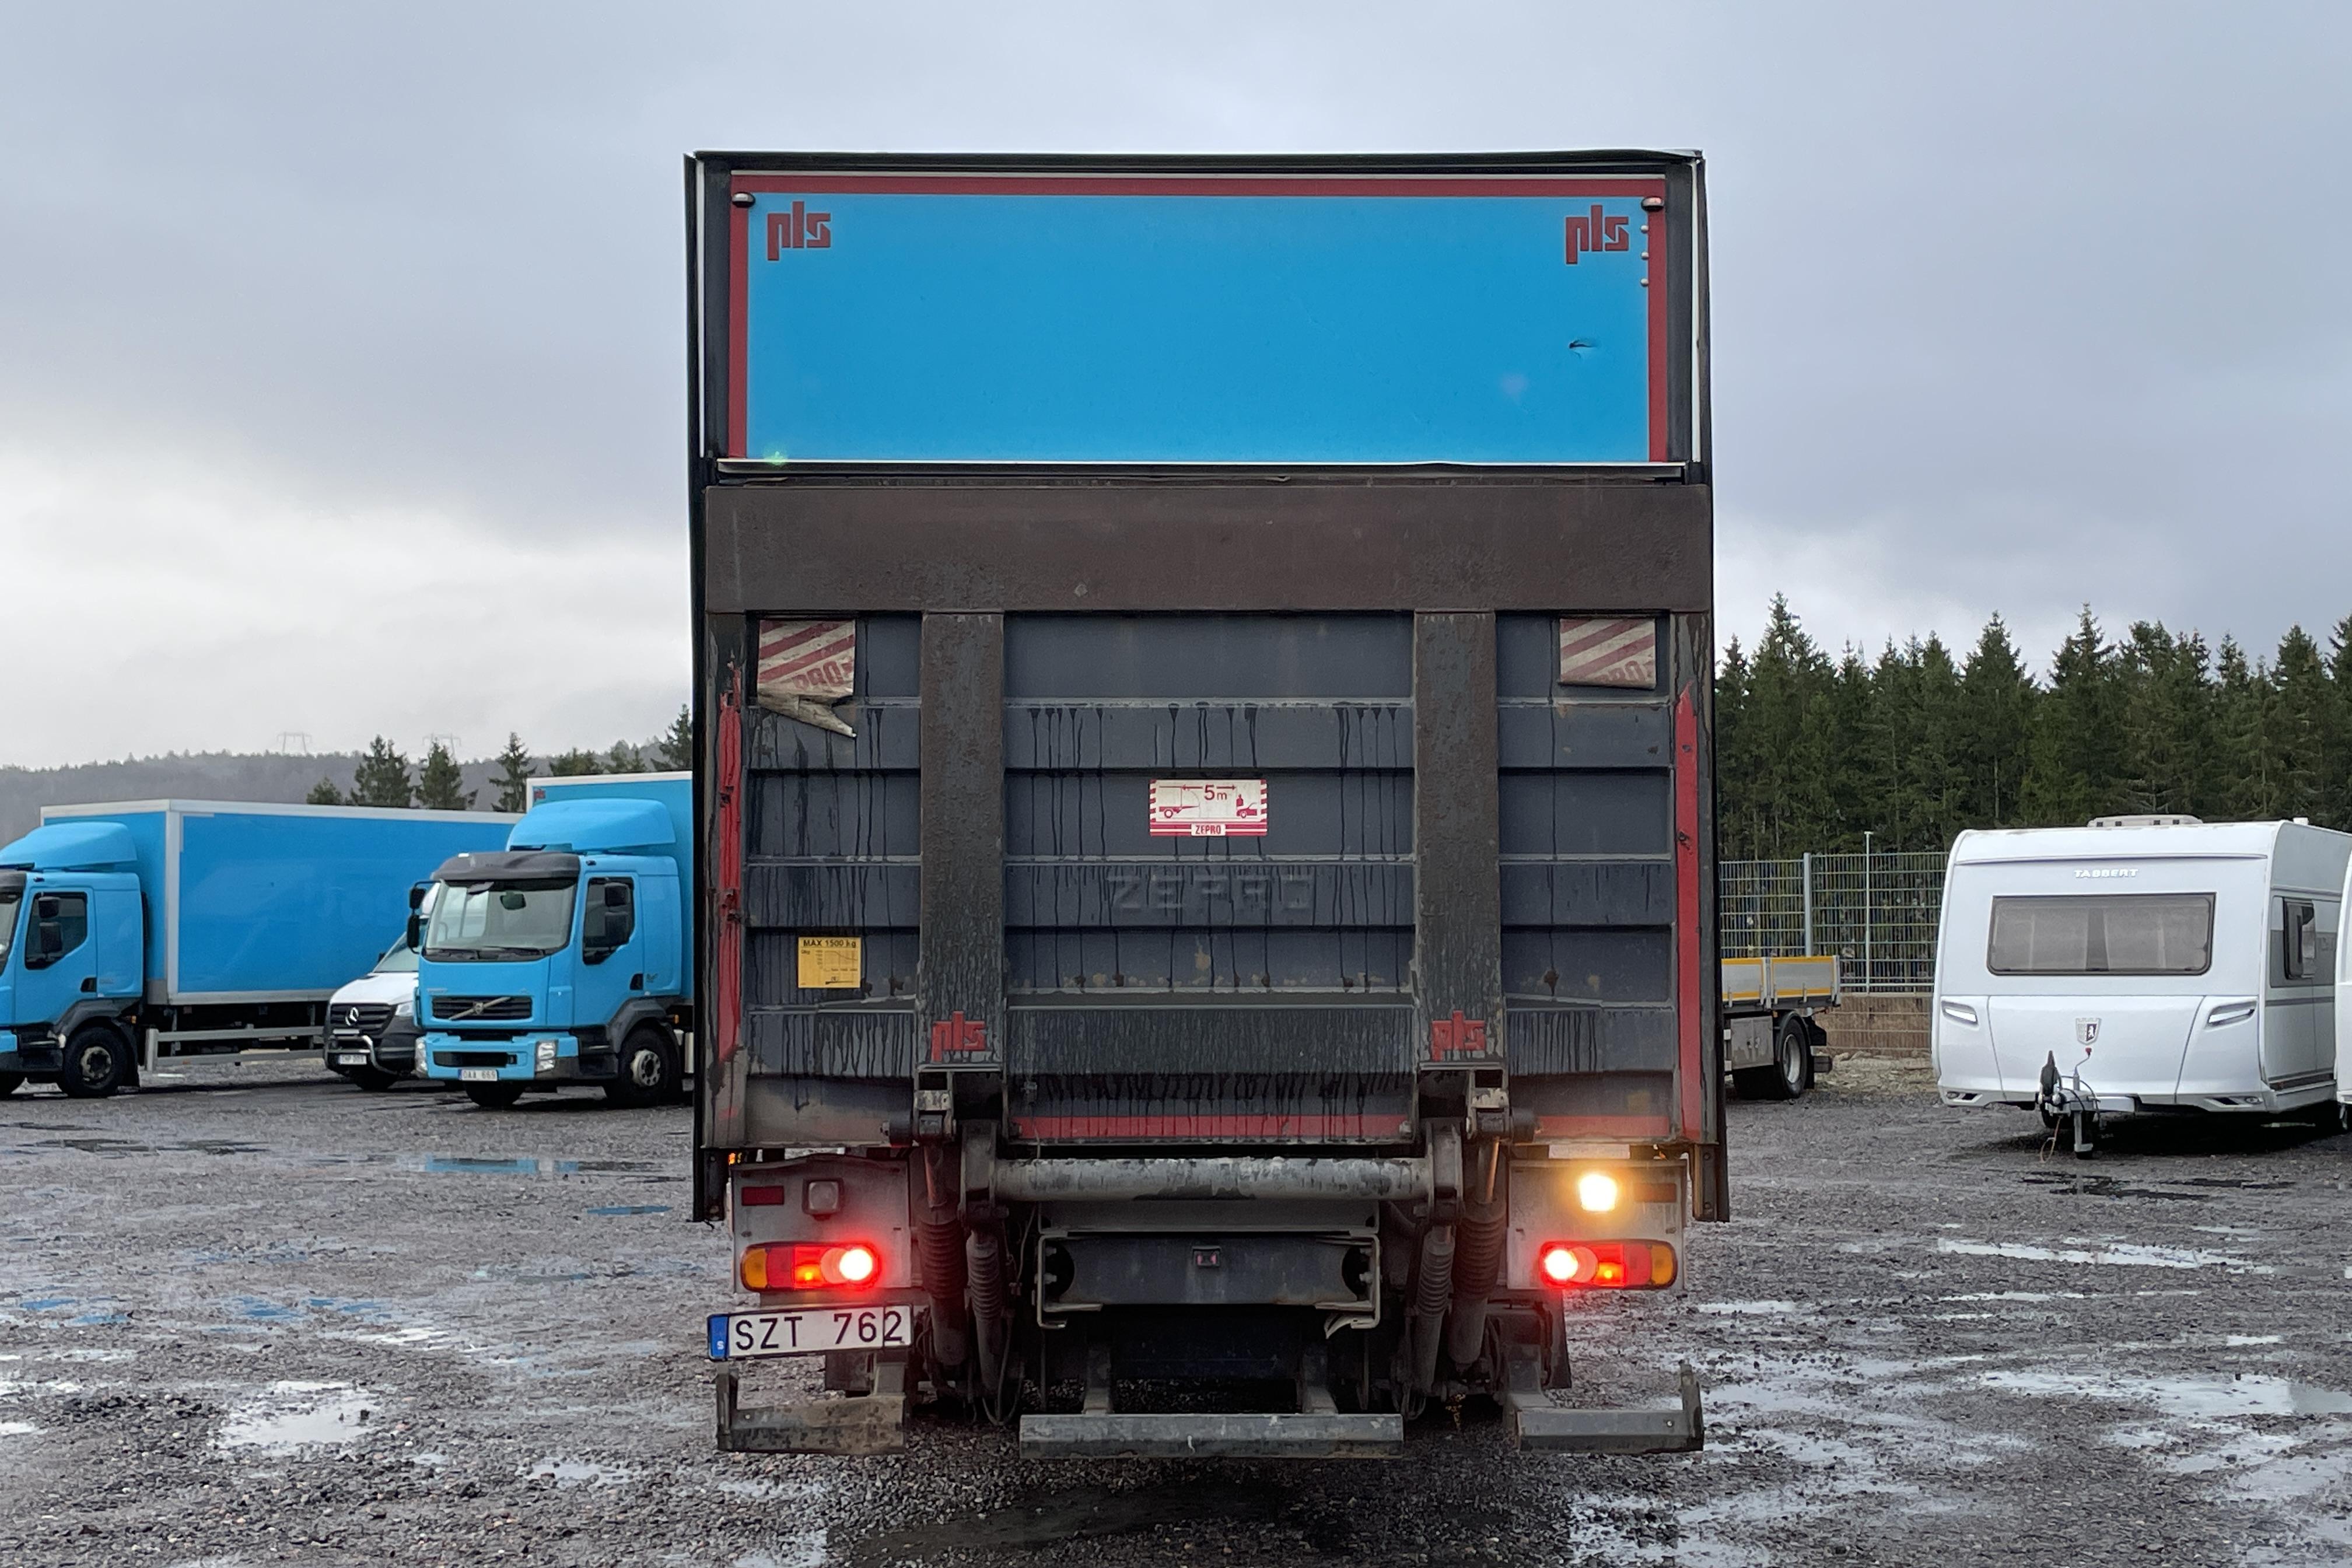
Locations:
(1597, 651)
(806, 666)
(1208, 808)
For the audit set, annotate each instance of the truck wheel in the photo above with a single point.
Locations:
(97, 1060)
(648, 1070)
(494, 1096)
(1792, 1073)
(9, 1082)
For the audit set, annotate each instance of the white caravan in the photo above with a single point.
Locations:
(2156, 963)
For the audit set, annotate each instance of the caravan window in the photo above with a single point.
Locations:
(2107, 933)
(2299, 944)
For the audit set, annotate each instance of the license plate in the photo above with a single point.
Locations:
(477, 1075)
(745, 1336)
(351, 1059)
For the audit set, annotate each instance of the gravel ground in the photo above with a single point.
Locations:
(254, 1315)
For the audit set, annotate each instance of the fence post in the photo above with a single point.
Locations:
(1808, 876)
(1865, 913)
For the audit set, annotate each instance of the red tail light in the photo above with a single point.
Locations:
(1606, 1265)
(802, 1266)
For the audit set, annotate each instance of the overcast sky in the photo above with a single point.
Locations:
(341, 359)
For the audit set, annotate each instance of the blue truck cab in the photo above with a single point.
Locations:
(72, 950)
(567, 957)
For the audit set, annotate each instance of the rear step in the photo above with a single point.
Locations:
(1303, 1436)
(1541, 1426)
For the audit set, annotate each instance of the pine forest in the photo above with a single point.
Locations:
(1814, 750)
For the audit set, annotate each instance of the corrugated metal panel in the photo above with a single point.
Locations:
(831, 824)
(1108, 925)
(1589, 886)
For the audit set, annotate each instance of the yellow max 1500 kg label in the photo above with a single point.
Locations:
(831, 963)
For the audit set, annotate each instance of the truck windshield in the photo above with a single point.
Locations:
(398, 959)
(2107, 933)
(12, 893)
(493, 921)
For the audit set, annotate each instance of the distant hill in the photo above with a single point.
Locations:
(207, 776)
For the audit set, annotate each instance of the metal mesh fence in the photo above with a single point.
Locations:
(1877, 912)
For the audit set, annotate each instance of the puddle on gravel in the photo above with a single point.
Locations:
(2184, 1398)
(124, 1148)
(2109, 1187)
(1085, 1514)
(521, 1165)
(1746, 1309)
(293, 1416)
(18, 1428)
(579, 1472)
(2121, 1252)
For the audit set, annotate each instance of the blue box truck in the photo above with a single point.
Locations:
(1207, 833)
(566, 957)
(179, 927)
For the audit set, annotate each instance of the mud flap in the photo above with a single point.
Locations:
(859, 1425)
(1539, 1426)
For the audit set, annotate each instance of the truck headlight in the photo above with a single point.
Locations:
(543, 1057)
(405, 1009)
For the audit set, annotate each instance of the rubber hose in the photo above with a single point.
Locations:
(938, 1243)
(1479, 1236)
(1432, 1289)
(983, 1260)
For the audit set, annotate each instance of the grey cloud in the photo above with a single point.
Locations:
(2049, 293)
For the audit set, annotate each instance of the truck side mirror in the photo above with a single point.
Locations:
(415, 931)
(616, 895)
(416, 896)
(48, 943)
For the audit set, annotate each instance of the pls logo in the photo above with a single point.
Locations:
(1594, 231)
(801, 229)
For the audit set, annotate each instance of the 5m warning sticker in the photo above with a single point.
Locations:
(831, 963)
(1208, 808)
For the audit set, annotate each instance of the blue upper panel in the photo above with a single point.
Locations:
(300, 902)
(1038, 318)
(73, 847)
(595, 827)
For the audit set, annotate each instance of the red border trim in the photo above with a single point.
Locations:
(739, 264)
(1201, 186)
(1687, 1001)
(1125, 1128)
(726, 880)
